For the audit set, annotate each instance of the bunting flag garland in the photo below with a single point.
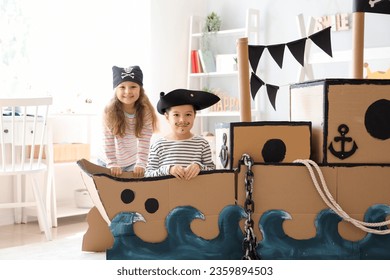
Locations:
(256, 83)
(277, 53)
(297, 49)
(373, 6)
(255, 53)
(322, 40)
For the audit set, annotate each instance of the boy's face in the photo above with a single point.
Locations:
(181, 119)
(128, 93)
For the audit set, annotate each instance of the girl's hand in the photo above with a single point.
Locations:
(116, 171)
(138, 172)
(191, 171)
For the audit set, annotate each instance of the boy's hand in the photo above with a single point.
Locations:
(177, 171)
(191, 171)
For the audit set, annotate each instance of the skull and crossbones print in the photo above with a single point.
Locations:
(127, 73)
(373, 2)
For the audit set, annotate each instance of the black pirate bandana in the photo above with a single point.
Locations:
(131, 74)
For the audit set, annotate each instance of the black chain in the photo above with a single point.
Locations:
(249, 243)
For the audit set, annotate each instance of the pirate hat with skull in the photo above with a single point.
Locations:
(131, 74)
(199, 99)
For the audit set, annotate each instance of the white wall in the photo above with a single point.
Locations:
(169, 46)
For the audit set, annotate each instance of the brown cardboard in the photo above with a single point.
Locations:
(287, 187)
(209, 193)
(359, 188)
(290, 188)
(333, 102)
(98, 237)
(251, 138)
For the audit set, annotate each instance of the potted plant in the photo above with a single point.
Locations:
(212, 24)
(235, 66)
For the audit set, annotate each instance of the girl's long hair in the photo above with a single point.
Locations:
(115, 119)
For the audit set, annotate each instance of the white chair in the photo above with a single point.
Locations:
(23, 138)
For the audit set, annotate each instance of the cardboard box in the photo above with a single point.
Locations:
(68, 152)
(276, 142)
(71, 152)
(350, 119)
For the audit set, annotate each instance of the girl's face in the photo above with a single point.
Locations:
(128, 93)
(181, 119)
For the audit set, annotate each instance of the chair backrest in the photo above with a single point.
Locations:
(23, 132)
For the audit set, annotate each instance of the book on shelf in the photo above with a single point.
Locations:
(207, 61)
(195, 62)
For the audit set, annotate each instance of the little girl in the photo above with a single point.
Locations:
(129, 121)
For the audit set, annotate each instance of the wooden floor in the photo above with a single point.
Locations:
(23, 234)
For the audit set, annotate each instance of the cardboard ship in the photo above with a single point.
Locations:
(204, 218)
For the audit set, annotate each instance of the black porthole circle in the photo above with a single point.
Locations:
(127, 196)
(151, 205)
(377, 119)
(274, 150)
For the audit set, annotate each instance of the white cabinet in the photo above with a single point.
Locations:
(224, 81)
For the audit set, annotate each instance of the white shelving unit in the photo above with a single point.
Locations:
(223, 42)
(67, 179)
(70, 128)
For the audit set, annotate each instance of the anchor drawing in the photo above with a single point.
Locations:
(343, 154)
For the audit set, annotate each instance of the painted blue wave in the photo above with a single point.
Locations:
(182, 243)
(327, 243)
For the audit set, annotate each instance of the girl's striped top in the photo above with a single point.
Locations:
(165, 153)
(129, 149)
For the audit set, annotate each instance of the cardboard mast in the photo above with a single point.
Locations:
(243, 80)
(358, 45)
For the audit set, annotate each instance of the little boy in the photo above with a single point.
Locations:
(181, 153)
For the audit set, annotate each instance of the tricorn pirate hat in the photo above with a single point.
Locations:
(199, 99)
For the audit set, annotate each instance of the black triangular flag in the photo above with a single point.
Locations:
(277, 52)
(256, 84)
(272, 91)
(322, 40)
(297, 49)
(255, 53)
